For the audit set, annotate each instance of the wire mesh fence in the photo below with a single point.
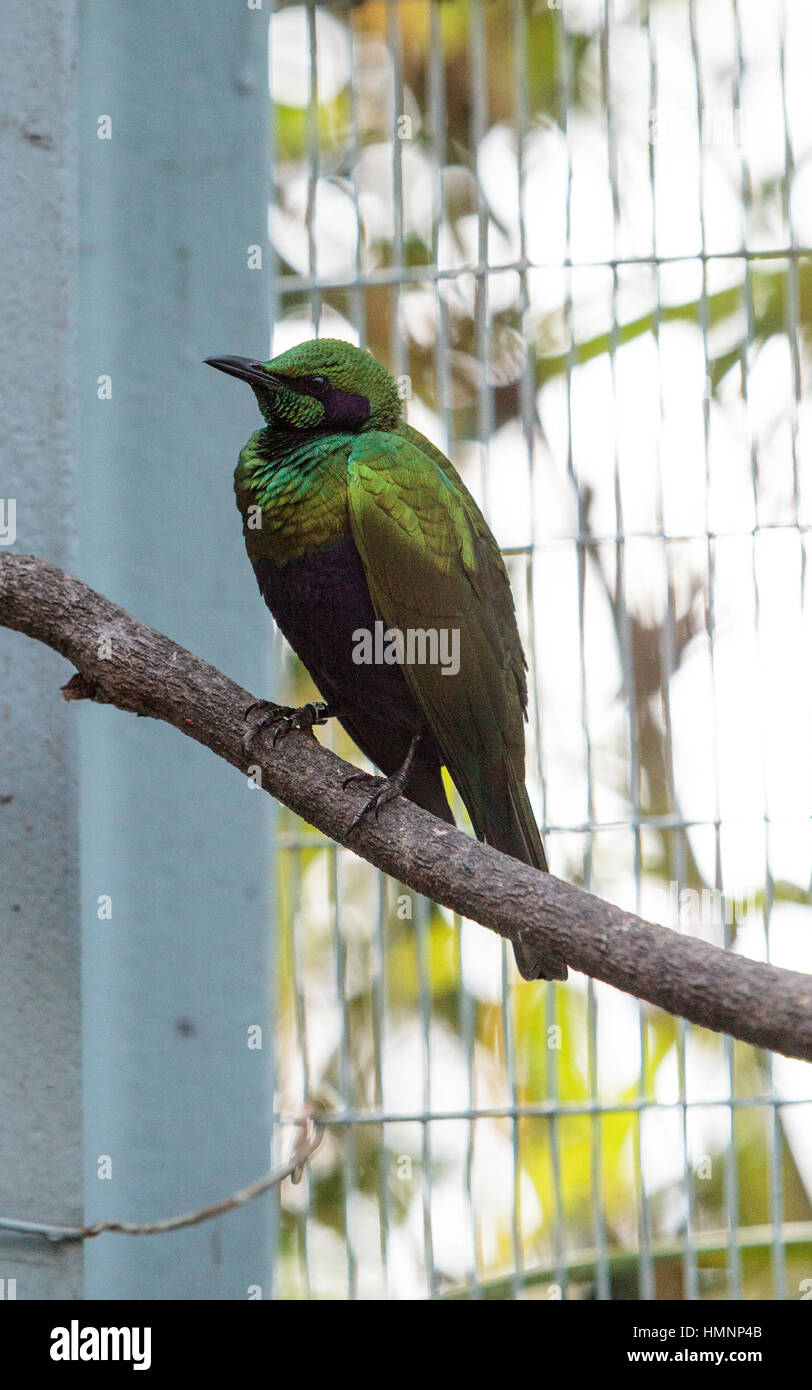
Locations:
(579, 235)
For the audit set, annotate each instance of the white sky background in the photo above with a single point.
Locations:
(640, 430)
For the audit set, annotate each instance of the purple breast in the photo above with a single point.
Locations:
(319, 603)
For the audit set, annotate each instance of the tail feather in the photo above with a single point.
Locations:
(505, 820)
(497, 803)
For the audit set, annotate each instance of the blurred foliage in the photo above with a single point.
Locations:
(572, 1176)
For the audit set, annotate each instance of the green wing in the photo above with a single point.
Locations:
(431, 562)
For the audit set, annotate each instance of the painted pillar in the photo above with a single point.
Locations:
(173, 144)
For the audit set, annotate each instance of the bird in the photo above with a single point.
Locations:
(352, 518)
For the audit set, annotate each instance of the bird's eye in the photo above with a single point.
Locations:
(319, 382)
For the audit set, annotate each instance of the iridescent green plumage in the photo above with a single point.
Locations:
(347, 509)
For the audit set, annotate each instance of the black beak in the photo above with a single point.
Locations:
(246, 369)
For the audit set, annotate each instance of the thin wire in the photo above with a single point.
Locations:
(731, 1166)
(426, 272)
(580, 1263)
(313, 160)
(312, 1134)
(466, 1003)
(345, 1073)
(623, 621)
(378, 1044)
(564, 93)
(550, 1109)
(478, 73)
(690, 1263)
(274, 1215)
(528, 423)
(774, 1140)
(357, 297)
(400, 363)
(379, 958)
(300, 1014)
(792, 326)
(398, 341)
(591, 827)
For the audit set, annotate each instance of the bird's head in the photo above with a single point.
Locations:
(323, 385)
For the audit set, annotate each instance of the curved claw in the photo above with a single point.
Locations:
(359, 777)
(389, 789)
(255, 704)
(248, 738)
(271, 715)
(283, 718)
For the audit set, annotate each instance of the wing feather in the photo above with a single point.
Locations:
(429, 565)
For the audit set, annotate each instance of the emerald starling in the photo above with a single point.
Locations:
(382, 573)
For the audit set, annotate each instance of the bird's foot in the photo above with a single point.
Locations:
(283, 718)
(387, 788)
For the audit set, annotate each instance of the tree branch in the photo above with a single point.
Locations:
(148, 674)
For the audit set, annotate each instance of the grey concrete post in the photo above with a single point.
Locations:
(174, 152)
(40, 1001)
